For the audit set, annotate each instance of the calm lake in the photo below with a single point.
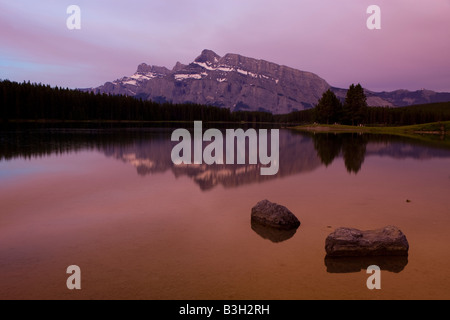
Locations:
(112, 202)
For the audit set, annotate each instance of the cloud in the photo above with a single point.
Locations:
(326, 37)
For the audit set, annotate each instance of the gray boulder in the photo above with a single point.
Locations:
(347, 242)
(274, 215)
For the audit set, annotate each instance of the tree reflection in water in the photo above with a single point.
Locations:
(352, 146)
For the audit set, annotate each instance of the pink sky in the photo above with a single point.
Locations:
(327, 37)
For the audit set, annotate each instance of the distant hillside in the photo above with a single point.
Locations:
(398, 98)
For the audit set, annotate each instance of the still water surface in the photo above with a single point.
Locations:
(112, 202)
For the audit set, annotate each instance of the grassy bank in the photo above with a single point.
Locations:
(435, 128)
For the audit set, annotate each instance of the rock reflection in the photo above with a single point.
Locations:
(395, 264)
(272, 234)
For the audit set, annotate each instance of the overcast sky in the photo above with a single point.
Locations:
(326, 37)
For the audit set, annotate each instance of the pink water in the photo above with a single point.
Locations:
(160, 236)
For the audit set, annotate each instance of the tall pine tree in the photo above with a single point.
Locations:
(329, 108)
(355, 105)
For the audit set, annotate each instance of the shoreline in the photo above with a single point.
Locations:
(431, 129)
(435, 128)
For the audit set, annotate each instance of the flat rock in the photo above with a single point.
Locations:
(347, 242)
(273, 215)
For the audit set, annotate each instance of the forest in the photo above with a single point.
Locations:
(37, 102)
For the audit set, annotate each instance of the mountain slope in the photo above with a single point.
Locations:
(232, 81)
(241, 83)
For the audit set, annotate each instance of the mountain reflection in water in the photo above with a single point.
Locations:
(149, 151)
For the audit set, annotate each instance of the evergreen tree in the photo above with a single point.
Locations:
(329, 108)
(355, 105)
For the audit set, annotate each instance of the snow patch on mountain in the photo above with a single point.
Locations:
(181, 77)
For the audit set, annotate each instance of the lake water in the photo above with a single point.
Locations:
(112, 202)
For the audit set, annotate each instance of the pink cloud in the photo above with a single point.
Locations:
(326, 37)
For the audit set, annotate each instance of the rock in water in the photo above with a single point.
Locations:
(347, 242)
(274, 215)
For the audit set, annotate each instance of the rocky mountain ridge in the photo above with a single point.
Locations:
(242, 83)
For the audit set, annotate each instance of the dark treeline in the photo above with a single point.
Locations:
(41, 102)
(417, 114)
(32, 102)
(27, 101)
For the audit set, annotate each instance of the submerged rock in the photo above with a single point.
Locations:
(274, 215)
(347, 242)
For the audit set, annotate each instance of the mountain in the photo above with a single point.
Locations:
(398, 98)
(241, 83)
